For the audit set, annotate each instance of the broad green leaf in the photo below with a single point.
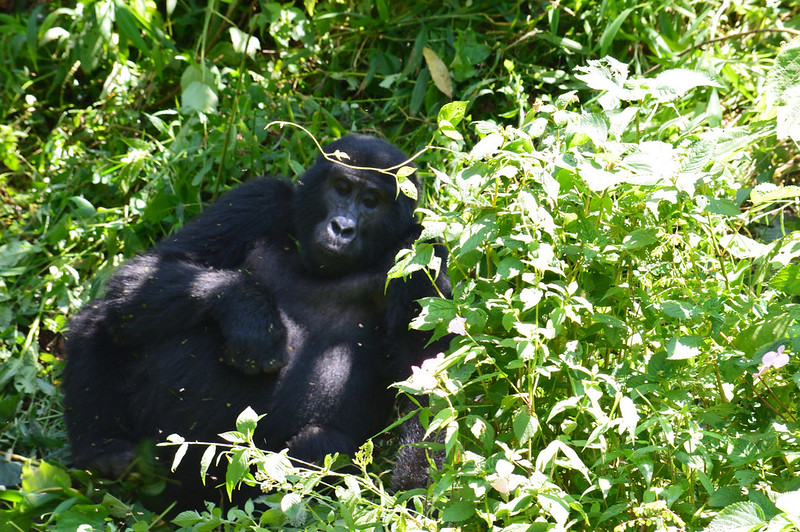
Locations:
(459, 511)
(771, 329)
(244, 43)
(630, 417)
(487, 146)
(83, 208)
(679, 309)
(439, 72)
(525, 426)
(788, 115)
(744, 516)
(292, 505)
(787, 280)
(789, 502)
(187, 518)
(743, 247)
(199, 97)
(453, 112)
(684, 347)
(246, 422)
(639, 238)
(723, 206)
(674, 83)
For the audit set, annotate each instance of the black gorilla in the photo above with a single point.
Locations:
(274, 298)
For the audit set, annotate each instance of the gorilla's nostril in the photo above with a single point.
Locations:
(343, 227)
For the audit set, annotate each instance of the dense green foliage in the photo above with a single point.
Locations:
(615, 182)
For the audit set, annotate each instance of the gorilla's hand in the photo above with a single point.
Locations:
(254, 335)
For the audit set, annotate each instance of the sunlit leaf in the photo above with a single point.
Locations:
(439, 72)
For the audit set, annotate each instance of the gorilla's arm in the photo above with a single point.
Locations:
(408, 348)
(197, 276)
(150, 297)
(223, 233)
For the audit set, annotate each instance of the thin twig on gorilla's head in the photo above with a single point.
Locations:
(334, 159)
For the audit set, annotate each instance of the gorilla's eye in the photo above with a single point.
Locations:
(342, 187)
(370, 200)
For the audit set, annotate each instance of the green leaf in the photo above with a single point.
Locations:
(679, 309)
(787, 280)
(199, 97)
(771, 329)
(247, 421)
(672, 84)
(187, 518)
(784, 73)
(244, 43)
(439, 72)
(769, 193)
(459, 511)
(205, 461)
(525, 426)
(238, 468)
(743, 516)
(453, 112)
(639, 238)
(129, 27)
(684, 347)
(611, 31)
(83, 208)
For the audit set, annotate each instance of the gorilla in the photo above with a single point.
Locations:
(275, 297)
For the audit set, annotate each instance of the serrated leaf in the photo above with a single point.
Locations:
(452, 112)
(784, 73)
(674, 83)
(768, 193)
(738, 517)
(787, 280)
(439, 72)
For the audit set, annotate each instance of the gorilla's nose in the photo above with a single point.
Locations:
(343, 228)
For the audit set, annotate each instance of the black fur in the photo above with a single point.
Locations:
(272, 298)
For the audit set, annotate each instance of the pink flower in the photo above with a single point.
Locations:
(457, 326)
(773, 359)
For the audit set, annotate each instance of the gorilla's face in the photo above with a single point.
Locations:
(347, 216)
